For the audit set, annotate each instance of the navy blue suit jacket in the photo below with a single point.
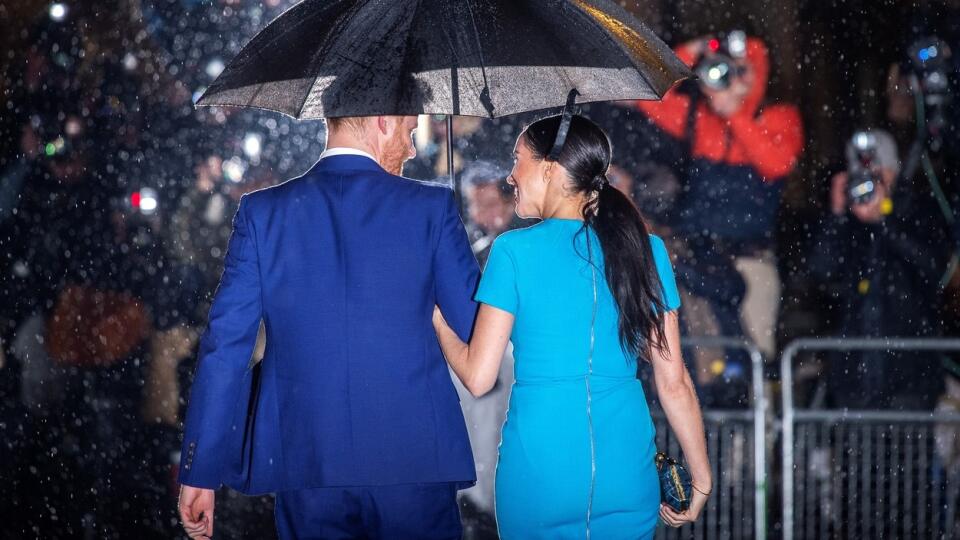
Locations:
(344, 266)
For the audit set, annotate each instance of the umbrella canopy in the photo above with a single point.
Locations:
(489, 58)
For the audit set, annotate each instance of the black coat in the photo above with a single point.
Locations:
(884, 280)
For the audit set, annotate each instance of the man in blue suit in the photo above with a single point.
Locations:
(351, 417)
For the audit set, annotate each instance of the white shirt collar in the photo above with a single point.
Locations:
(345, 151)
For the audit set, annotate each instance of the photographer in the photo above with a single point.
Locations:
(489, 202)
(737, 154)
(881, 252)
(738, 151)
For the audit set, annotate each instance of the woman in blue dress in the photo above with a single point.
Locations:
(583, 296)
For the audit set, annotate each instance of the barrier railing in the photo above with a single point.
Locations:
(736, 446)
(865, 474)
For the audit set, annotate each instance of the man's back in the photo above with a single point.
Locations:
(344, 266)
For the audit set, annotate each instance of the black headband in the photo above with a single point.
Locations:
(569, 110)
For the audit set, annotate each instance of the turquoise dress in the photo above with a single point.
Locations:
(576, 456)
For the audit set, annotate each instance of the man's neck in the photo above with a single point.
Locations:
(340, 141)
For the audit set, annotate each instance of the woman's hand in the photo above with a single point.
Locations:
(679, 519)
(679, 401)
(477, 363)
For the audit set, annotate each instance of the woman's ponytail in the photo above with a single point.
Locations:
(628, 258)
(630, 268)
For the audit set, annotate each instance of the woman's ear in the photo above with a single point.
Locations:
(547, 171)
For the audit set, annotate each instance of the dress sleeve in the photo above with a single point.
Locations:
(671, 296)
(498, 284)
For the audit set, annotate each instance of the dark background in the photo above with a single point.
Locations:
(830, 57)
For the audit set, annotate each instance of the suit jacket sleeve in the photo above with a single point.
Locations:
(456, 272)
(224, 356)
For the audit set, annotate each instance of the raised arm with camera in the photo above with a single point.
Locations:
(730, 125)
(874, 213)
(879, 255)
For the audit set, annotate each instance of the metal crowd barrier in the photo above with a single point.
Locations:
(737, 451)
(864, 474)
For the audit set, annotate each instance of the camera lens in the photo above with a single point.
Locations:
(716, 72)
(862, 187)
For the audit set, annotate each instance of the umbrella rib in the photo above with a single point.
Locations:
(578, 4)
(353, 61)
(454, 86)
(453, 49)
(347, 17)
(249, 106)
(488, 104)
(476, 34)
(406, 57)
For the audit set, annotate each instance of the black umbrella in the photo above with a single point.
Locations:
(327, 58)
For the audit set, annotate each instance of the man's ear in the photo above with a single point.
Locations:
(382, 124)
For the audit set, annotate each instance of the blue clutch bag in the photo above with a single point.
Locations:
(675, 483)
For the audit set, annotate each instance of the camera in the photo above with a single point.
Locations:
(718, 70)
(930, 65)
(146, 201)
(137, 215)
(863, 182)
(930, 62)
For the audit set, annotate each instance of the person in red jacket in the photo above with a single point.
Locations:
(730, 126)
(738, 151)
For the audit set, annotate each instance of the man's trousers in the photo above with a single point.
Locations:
(409, 511)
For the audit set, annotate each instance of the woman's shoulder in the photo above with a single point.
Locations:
(659, 249)
(657, 244)
(518, 238)
(656, 241)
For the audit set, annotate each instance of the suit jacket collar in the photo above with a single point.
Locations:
(344, 150)
(346, 162)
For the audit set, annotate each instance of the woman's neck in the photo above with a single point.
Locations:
(565, 209)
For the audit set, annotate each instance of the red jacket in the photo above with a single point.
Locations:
(770, 141)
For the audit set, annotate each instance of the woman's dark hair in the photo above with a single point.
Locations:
(628, 258)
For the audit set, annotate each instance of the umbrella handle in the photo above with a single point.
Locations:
(457, 192)
(453, 175)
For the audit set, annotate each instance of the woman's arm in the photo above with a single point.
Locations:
(679, 401)
(477, 363)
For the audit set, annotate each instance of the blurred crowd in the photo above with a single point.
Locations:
(115, 209)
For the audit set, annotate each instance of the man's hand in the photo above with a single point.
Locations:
(196, 511)
(872, 210)
(695, 47)
(729, 101)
